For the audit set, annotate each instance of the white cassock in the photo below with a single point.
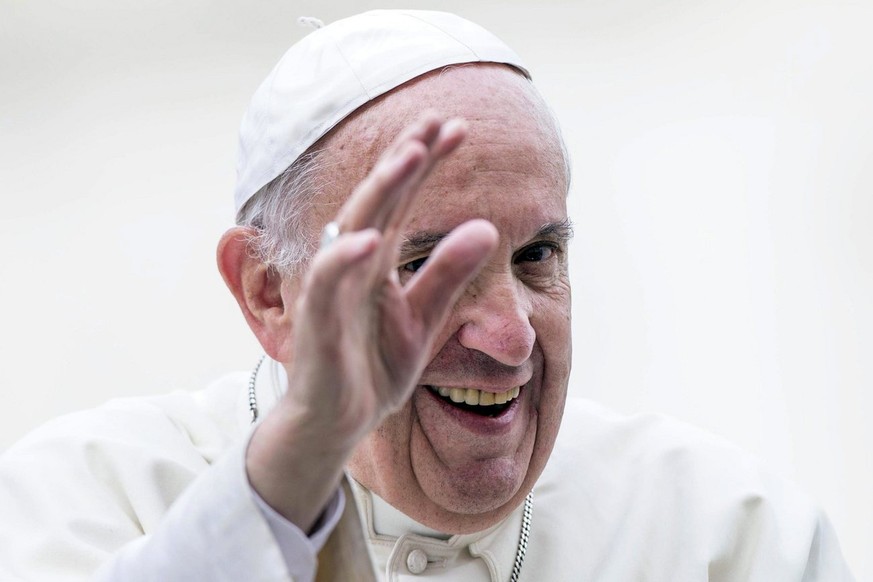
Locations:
(154, 489)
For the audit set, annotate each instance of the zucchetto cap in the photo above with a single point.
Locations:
(339, 67)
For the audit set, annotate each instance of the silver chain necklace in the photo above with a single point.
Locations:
(523, 537)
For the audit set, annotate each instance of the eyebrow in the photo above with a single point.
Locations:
(424, 241)
(561, 231)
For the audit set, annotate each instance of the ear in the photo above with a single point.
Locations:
(257, 288)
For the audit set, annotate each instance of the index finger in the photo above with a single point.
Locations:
(453, 264)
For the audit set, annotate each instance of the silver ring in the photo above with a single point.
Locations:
(329, 234)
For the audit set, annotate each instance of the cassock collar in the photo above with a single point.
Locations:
(392, 534)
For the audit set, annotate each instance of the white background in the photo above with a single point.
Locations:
(723, 263)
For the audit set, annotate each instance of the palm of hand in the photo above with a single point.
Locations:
(362, 339)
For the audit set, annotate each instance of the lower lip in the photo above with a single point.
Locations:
(490, 425)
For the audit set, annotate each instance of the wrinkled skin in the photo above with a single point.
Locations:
(370, 327)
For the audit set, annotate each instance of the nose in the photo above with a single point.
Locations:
(494, 317)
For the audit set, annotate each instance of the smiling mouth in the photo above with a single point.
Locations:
(479, 402)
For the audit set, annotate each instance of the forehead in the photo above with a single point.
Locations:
(510, 166)
(508, 180)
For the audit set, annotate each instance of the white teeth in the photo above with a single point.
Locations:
(475, 397)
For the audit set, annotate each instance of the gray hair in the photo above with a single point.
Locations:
(277, 214)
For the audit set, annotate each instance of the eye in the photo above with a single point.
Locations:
(413, 266)
(536, 253)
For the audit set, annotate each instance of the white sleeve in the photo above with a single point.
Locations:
(298, 548)
(825, 562)
(220, 530)
(126, 492)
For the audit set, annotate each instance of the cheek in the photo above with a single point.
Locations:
(385, 451)
(449, 329)
(551, 321)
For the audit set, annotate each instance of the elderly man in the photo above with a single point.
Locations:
(401, 256)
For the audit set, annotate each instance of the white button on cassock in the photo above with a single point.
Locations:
(416, 561)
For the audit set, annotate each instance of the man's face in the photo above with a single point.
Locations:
(461, 466)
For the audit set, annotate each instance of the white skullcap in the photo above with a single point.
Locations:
(336, 69)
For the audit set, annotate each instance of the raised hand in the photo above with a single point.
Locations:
(360, 339)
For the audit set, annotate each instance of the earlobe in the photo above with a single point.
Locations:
(257, 288)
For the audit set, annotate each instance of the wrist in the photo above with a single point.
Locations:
(294, 468)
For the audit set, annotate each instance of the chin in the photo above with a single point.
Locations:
(486, 488)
